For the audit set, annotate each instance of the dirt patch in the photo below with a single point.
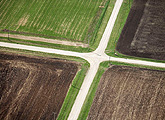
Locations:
(128, 93)
(22, 37)
(23, 21)
(33, 87)
(20, 33)
(144, 32)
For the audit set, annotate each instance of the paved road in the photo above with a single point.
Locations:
(94, 58)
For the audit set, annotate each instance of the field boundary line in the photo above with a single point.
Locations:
(55, 41)
(94, 58)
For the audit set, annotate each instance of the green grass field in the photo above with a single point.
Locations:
(74, 20)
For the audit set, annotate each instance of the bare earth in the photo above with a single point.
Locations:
(94, 58)
(128, 93)
(33, 87)
(144, 32)
(45, 40)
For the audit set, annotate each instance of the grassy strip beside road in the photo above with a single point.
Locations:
(42, 54)
(76, 83)
(45, 44)
(72, 93)
(101, 25)
(69, 20)
(119, 24)
(118, 55)
(91, 93)
(135, 65)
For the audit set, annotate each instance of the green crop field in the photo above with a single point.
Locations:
(74, 20)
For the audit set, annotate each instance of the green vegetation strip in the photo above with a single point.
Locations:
(136, 58)
(99, 22)
(119, 24)
(135, 65)
(45, 44)
(117, 29)
(91, 94)
(103, 23)
(76, 83)
(67, 19)
(42, 54)
(72, 93)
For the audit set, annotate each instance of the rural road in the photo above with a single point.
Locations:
(94, 58)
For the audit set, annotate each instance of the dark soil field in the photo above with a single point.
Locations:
(144, 32)
(33, 88)
(129, 93)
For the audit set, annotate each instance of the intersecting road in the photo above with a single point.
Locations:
(94, 58)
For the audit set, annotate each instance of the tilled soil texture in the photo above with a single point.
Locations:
(127, 93)
(33, 88)
(144, 32)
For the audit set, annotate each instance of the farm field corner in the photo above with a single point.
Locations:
(74, 20)
(33, 87)
(129, 93)
(88, 46)
(143, 34)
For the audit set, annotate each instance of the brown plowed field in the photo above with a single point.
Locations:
(33, 88)
(144, 32)
(128, 93)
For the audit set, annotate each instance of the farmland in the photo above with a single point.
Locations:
(129, 93)
(74, 20)
(33, 87)
(143, 34)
